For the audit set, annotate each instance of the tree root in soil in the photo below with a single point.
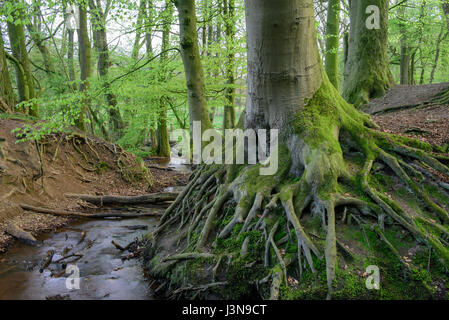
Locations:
(311, 178)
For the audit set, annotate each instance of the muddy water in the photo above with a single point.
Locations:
(102, 273)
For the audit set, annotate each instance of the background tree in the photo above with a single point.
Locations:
(367, 71)
(332, 41)
(85, 66)
(7, 98)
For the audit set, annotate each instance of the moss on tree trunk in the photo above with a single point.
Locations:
(367, 72)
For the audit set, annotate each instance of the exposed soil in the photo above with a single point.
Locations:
(71, 163)
(402, 96)
(429, 124)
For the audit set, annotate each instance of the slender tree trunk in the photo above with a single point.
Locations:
(137, 40)
(405, 48)
(192, 64)
(163, 149)
(149, 20)
(441, 36)
(35, 33)
(229, 108)
(102, 48)
(85, 67)
(217, 40)
(367, 72)
(24, 77)
(7, 98)
(332, 41)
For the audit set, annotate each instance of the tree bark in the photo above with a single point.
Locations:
(101, 45)
(193, 69)
(7, 97)
(405, 48)
(229, 108)
(163, 146)
(85, 61)
(137, 40)
(24, 77)
(332, 41)
(367, 72)
(284, 68)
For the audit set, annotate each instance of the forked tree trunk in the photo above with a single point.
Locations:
(332, 41)
(101, 45)
(7, 98)
(194, 73)
(367, 72)
(137, 40)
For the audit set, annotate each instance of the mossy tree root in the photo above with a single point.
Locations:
(271, 203)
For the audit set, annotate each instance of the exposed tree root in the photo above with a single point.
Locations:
(310, 182)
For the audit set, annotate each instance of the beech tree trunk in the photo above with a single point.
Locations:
(229, 109)
(85, 61)
(24, 77)
(284, 68)
(7, 98)
(194, 73)
(163, 146)
(367, 72)
(332, 41)
(101, 45)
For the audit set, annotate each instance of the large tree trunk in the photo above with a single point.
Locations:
(163, 146)
(284, 68)
(85, 61)
(332, 41)
(7, 98)
(289, 90)
(101, 45)
(367, 72)
(193, 69)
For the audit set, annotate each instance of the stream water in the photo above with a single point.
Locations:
(103, 274)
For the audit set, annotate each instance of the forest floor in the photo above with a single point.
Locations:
(68, 163)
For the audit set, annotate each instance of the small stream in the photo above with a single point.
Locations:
(103, 274)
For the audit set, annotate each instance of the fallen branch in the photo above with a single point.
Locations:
(46, 261)
(90, 216)
(120, 247)
(143, 199)
(21, 235)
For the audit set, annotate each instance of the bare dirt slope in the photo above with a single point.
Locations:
(68, 163)
(402, 96)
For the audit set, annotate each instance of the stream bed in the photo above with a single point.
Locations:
(102, 273)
